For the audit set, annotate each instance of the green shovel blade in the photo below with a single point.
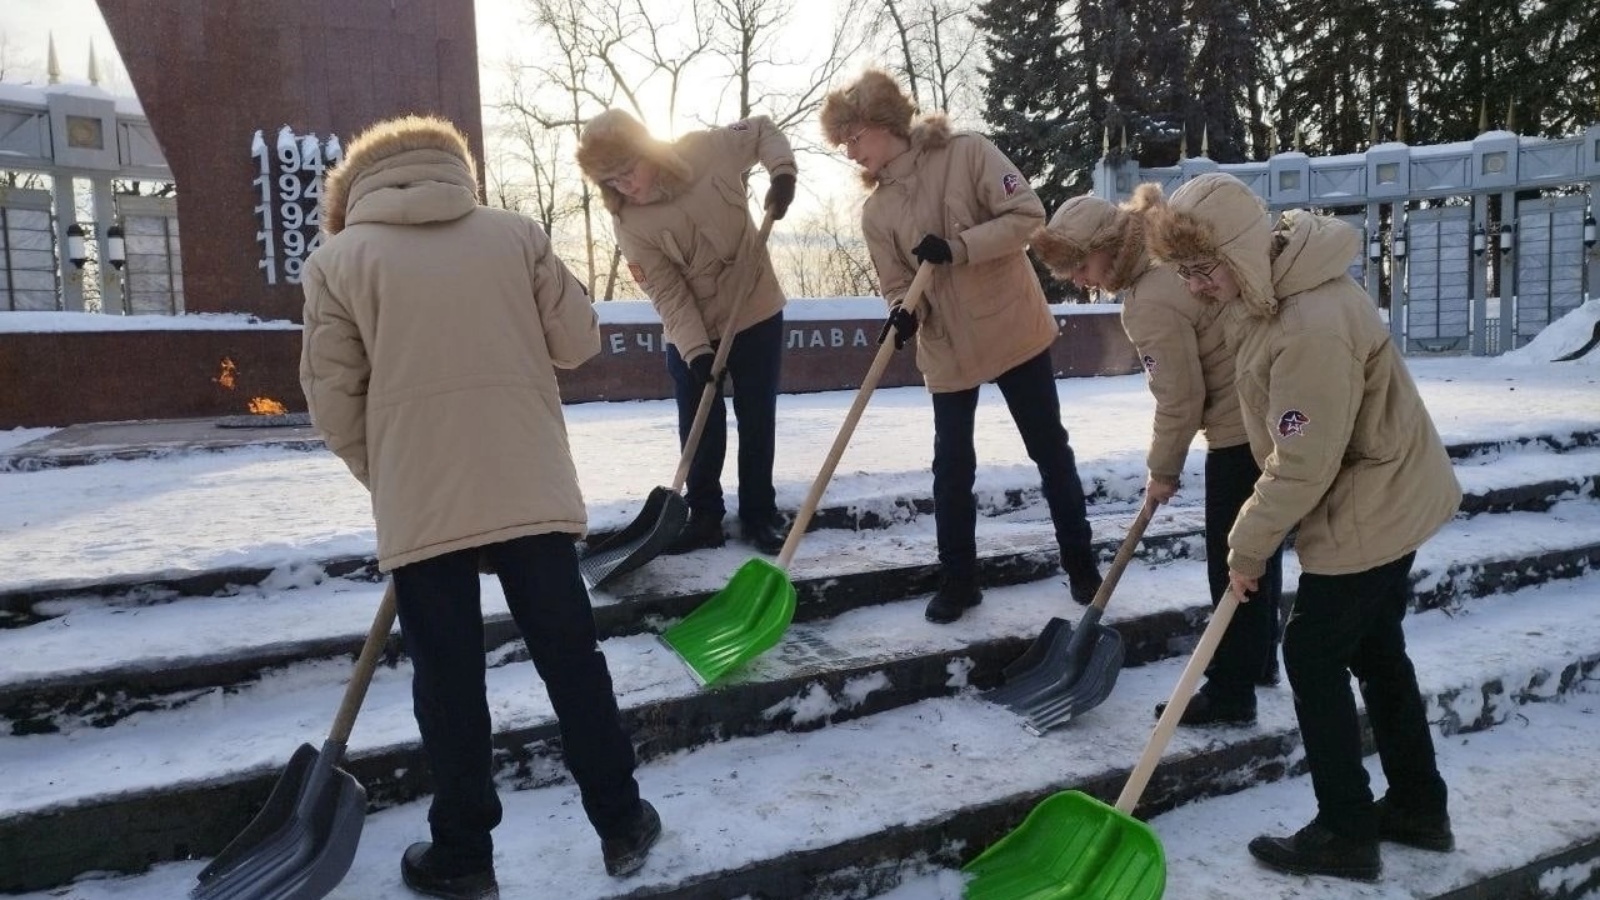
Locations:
(738, 623)
(1071, 846)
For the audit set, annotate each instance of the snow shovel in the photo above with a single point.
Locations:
(1067, 671)
(300, 845)
(664, 513)
(1073, 846)
(749, 616)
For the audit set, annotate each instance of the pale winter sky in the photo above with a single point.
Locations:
(750, 799)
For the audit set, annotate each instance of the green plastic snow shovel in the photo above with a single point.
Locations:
(1067, 672)
(664, 513)
(1074, 847)
(748, 617)
(301, 843)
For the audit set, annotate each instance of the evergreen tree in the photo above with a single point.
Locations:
(1230, 79)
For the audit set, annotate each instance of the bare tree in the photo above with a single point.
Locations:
(935, 49)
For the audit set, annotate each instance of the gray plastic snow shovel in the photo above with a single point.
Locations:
(662, 518)
(1067, 671)
(300, 845)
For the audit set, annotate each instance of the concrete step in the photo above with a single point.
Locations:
(189, 797)
(862, 806)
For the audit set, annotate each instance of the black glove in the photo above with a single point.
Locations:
(779, 195)
(904, 325)
(700, 369)
(933, 249)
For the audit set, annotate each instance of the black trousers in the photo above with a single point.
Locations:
(1350, 624)
(1030, 392)
(1251, 641)
(754, 365)
(442, 625)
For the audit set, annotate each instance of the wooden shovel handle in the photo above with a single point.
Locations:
(1178, 702)
(1124, 553)
(880, 362)
(356, 691)
(718, 363)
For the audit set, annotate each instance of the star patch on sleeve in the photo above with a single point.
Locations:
(1011, 182)
(1293, 423)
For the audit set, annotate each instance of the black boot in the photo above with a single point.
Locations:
(1084, 587)
(1205, 709)
(1314, 850)
(766, 535)
(1420, 830)
(625, 854)
(956, 596)
(426, 870)
(1269, 673)
(702, 531)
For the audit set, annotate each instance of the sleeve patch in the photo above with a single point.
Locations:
(1011, 182)
(1149, 363)
(741, 125)
(1293, 423)
(637, 271)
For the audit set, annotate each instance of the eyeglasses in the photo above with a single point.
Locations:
(626, 177)
(1198, 271)
(852, 140)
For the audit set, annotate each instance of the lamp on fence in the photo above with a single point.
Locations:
(1588, 231)
(1400, 244)
(1508, 233)
(116, 248)
(76, 252)
(1479, 240)
(1375, 246)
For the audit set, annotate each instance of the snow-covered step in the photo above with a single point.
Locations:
(781, 814)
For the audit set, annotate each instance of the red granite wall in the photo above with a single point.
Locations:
(68, 378)
(210, 73)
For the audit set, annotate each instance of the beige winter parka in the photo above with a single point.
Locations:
(985, 313)
(697, 248)
(1188, 365)
(431, 328)
(1347, 449)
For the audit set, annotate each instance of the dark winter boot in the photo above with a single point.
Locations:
(625, 854)
(1423, 831)
(1269, 674)
(701, 532)
(428, 871)
(1084, 587)
(767, 535)
(1205, 709)
(1314, 850)
(956, 596)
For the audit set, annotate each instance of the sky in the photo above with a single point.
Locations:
(753, 798)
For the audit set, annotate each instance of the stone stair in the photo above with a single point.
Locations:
(859, 674)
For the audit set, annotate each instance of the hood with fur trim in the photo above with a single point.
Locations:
(1310, 250)
(613, 141)
(1085, 224)
(407, 170)
(1216, 216)
(873, 99)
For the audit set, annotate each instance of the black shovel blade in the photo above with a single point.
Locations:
(1033, 671)
(301, 844)
(1081, 690)
(655, 528)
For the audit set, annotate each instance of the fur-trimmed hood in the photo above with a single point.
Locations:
(613, 141)
(407, 170)
(1310, 250)
(1086, 224)
(1216, 216)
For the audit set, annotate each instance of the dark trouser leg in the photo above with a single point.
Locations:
(545, 594)
(703, 485)
(442, 625)
(1030, 392)
(1251, 640)
(1395, 708)
(756, 362)
(955, 468)
(1331, 629)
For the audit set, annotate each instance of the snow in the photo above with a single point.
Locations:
(285, 510)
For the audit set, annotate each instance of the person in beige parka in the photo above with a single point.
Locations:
(952, 199)
(683, 222)
(433, 327)
(1351, 461)
(1188, 366)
